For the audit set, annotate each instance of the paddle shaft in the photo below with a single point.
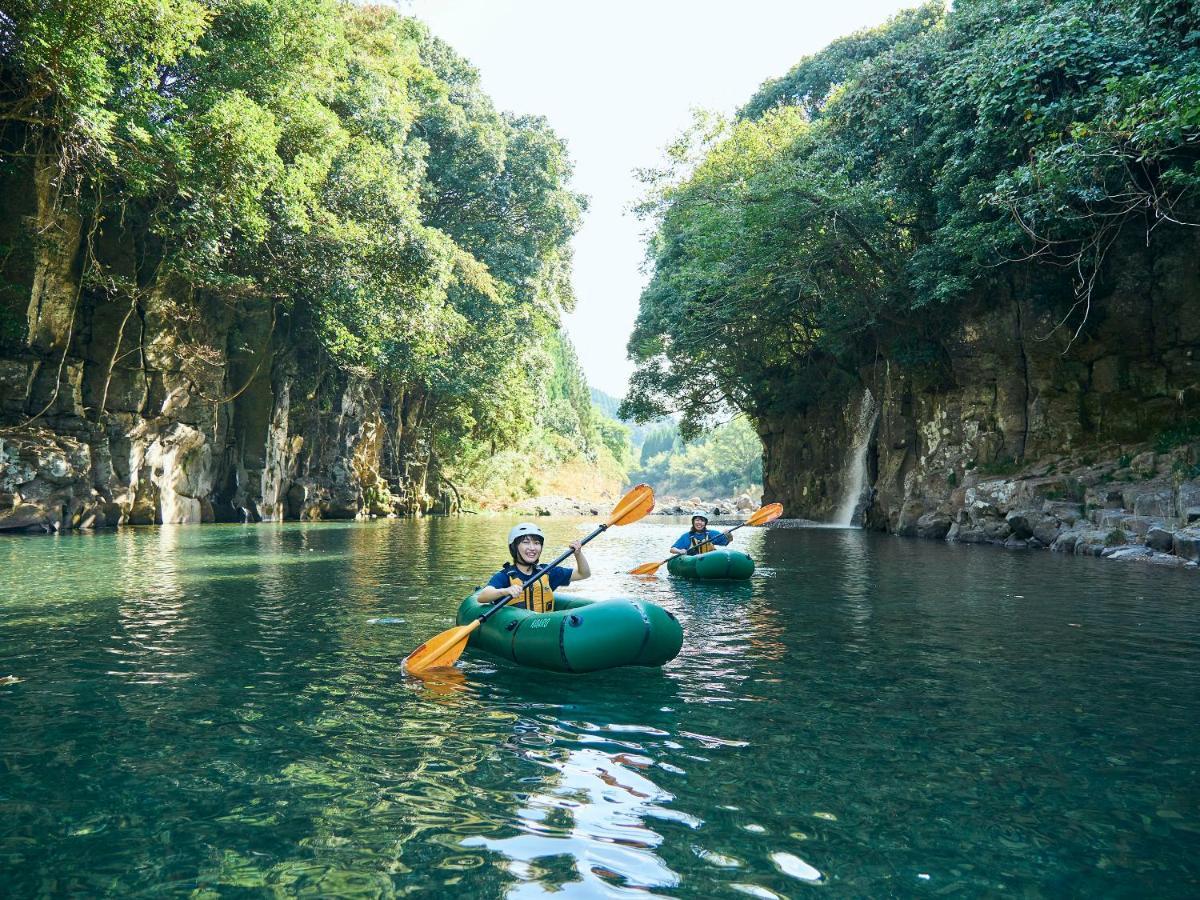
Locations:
(538, 573)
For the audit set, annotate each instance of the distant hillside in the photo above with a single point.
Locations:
(608, 404)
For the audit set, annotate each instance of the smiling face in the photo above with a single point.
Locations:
(529, 549)
(699, 524)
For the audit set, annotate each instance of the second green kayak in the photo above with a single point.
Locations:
(716, 565)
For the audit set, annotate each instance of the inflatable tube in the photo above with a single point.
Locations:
(716, 565)
(579, 636)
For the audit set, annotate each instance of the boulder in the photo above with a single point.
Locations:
(1064, 511)
(1046, 531)
(1168, 560)
(1144, 463)
(1160, 539)
(1029, 522)
(23, 516)
(1189, 496)
(1186, 542)
(1091, 541)
(1160, 502)
(996, 531)
(910, 515)
(1065, 542)
(934, 526)
(1134, 525)
(1019, 521)
(1126, 552)
(966, 534)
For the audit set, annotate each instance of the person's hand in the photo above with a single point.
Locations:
(575, 546)
(515, 591)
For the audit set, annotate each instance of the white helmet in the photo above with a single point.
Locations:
(700, 514)
(519, 531)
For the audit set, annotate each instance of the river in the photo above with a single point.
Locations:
(219, 711)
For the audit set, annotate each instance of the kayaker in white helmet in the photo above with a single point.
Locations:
(525, 547)
(700, 539)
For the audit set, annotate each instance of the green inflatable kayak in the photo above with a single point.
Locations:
(716, 565)
(579, 636)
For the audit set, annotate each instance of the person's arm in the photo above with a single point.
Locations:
(582, 569)
(722, 539)
(680, 546)
(492, 593)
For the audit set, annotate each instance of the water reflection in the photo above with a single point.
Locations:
(149, 646)
(212, 711)
(591, 813)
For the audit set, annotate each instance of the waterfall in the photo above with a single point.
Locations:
(855, 475)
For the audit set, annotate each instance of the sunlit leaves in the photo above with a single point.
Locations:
(937, 152)
(330, 159)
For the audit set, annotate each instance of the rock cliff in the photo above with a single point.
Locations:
(154, 402)
(1003, 426)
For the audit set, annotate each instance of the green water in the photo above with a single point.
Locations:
(216, 711)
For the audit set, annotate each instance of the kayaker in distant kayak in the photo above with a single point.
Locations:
(700, 539)
(525, 547)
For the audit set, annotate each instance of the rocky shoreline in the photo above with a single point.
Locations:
(1142, 506)
(1138, 504)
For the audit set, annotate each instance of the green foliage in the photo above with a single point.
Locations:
(662, 439)
(1005, 465)
(902, 171)
(610, 406)
(12, 329)
(1184, 433)
(330, 159)
(615, 438)
(1116, 538)
(565, 428)
(809, 83)
(727, 461)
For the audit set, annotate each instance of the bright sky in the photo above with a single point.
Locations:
(618, 80)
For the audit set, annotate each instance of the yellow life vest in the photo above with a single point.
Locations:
(537, 597)
(704, 546)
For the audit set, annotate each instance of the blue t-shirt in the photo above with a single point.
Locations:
(557, 576)
(687, 540)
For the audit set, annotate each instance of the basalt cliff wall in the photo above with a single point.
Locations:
(152, 402)
(1000, 425)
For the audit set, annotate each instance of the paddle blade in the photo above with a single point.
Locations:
(768, 513)
(441, 650)
(635, 504)
(646, 568)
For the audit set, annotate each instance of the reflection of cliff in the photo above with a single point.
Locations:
(1000, 392)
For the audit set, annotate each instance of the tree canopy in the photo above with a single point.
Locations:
(896, 173)
(331, 161)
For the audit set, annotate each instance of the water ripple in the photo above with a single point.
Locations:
(215, 711)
